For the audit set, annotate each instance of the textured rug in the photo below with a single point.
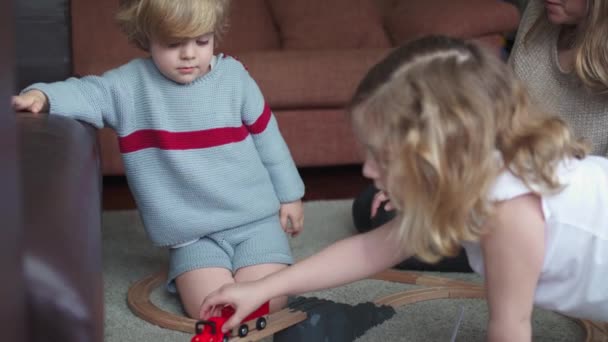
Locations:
(128, 256)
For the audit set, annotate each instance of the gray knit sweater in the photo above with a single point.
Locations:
(559, 92)
(199, 158)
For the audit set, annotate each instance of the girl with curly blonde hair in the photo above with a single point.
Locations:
(467, 160)
(561, 54)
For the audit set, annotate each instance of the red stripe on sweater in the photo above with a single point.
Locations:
(262, 122)
(165, 140)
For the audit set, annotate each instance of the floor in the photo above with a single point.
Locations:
(321, 184)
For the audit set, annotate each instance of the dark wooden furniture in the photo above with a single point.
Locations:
(12, 300)
(50, 197)
(60, 189)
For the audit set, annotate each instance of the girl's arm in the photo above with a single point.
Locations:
(345, 261)
(513, 253)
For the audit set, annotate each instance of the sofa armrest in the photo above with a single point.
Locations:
(61, 194)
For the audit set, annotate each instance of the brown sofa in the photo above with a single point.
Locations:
(306, 55)
(60, 192)
(50, 205)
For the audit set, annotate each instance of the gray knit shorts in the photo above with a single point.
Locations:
(259, 242)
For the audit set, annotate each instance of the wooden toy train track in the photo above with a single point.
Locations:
(138, 299)
(442, 288)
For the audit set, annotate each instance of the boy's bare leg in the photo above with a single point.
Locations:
(195, 285)
(256, 272)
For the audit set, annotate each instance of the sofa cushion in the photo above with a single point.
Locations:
(97, 42)
(408, 20)
(322, 24)
(319, 137)
(309, 79)
(250, 27)
(494, 43)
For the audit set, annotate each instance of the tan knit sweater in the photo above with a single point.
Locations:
(536, 63)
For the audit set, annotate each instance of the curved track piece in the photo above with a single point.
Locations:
(442, 288)
(420, 295)
(138, 300)
(416, 278)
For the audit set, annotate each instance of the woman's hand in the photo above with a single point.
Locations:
(244, 297)
(292, 217)
(379, 198)
(32, 101)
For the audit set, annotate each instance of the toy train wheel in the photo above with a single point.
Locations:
(243, 330)
(261, 323)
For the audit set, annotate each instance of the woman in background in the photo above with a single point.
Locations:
(561, 54)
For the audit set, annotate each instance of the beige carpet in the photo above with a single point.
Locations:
(128, 256)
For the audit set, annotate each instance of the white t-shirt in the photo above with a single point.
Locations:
(574, 276)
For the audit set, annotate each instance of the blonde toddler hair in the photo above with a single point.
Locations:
(436, 114)
(142, 20)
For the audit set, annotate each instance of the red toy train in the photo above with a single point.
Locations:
(211, 329)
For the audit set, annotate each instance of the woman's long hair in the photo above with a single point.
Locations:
(591, 62)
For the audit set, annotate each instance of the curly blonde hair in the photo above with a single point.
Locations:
(435, 114)
(142, 20)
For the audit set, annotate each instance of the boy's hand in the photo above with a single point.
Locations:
(292, 217)
(33, 101)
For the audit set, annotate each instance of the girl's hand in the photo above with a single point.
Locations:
(379, 198)
(33, 101)
(244, 297)
(292, 217)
